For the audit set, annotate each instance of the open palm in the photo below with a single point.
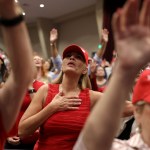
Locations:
(132, 34)
(53, 35)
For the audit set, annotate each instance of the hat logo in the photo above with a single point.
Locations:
(148, 77)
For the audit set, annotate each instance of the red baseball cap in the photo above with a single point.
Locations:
(142, 88)
(78, 49)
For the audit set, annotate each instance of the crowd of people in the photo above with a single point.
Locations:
(76, 101)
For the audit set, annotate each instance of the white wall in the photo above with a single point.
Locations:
(76, 29)
(81, 31)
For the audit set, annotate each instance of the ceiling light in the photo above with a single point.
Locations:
(16, 1)
(24, 13)
(41, 5)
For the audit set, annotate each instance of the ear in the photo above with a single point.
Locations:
(85, 70)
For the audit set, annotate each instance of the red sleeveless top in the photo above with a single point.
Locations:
(26, 102)
(4, 135)
(61, 130)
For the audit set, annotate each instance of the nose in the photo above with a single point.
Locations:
(72, 57)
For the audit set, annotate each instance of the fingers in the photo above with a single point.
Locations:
(14, 140)
(116, 23)
(73, 108)
(77, 103)
(105, 33)
(72, 103)
(129, 14)
(145, 13)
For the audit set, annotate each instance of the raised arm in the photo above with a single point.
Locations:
(53, 42)
(20, 54)
(56, 58)
(132, 41)
(104, 40)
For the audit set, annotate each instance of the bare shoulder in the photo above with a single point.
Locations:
(44, 88)
(95, 96)
(41, 93)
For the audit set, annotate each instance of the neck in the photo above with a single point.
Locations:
(39, 73)
(69, 84)
(100, 78)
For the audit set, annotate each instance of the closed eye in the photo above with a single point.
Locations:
(79, 57)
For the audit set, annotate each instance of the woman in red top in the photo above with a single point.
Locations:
(101, 78)
(20, 53)
(29, 141)
(61, 109)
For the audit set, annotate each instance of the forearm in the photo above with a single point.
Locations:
(99, 132)
(12, 97)
(101, 52)
(20, 54)
(18, 45)
(31, 124)
(54, 50)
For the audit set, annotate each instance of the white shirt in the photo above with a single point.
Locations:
(134, 143)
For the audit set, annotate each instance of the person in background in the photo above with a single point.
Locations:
(3, 72)
(55, 57)
(101, 78)
(41, 74)
(27, 142)
(98, 57)
(132, 41)
(19, 51)
(48, 68)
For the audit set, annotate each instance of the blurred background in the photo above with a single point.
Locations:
(78, 22)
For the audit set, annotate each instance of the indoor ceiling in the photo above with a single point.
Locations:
(52, 8)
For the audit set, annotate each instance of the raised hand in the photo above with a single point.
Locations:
(62, 103)
(53, 35)
(93, 66)
(105, 33)
(132, 34)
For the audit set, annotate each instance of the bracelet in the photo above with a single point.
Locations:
(11, 22)
(30, 91)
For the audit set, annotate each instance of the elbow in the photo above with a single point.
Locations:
(25, 128)
(23, 132)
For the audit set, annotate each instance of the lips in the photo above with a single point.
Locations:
(71, 63)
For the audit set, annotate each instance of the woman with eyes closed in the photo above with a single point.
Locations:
(61, 109)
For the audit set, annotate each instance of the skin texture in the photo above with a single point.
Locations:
(18, 44)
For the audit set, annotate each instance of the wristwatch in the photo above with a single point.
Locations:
(30, 91)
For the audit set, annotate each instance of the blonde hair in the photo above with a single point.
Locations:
(84, 81)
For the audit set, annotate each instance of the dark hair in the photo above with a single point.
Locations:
(3, 71)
